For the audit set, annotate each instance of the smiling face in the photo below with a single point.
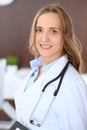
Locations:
(49, 36)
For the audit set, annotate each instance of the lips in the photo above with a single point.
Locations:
(45, 46)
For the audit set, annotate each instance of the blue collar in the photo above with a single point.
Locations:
(36, 63)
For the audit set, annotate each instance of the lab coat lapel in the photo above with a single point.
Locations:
(49, 92)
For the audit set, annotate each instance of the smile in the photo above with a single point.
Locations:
(45, 46)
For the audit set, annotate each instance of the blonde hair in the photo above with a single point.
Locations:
(72, 46)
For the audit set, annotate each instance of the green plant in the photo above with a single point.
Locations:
(12, 60)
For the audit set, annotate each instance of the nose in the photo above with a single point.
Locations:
(45, 36)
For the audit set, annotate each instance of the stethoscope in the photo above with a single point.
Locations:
(61, 75)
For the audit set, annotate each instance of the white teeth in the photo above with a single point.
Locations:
(45, 46)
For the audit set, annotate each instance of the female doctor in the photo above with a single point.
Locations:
(53, 96)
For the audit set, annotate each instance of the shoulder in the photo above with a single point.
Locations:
(73, 88)
(71, 103)
(20, 90)
(73, 76)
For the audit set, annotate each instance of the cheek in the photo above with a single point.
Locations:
(37, 38)
(58, 41)
(37, 41)
(37, 44)
(59, 44)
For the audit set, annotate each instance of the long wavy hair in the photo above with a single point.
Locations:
(72, 46)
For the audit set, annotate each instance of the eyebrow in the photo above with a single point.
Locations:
(49, 27)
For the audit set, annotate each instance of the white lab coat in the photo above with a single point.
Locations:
(69, 109)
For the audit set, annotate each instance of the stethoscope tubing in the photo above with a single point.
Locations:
(61, 75)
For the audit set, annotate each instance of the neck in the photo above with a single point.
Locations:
(47, 60)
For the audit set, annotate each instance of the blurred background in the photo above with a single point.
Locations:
(15, 25)
(16, 20)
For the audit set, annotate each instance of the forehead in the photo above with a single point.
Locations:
(49, 19)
